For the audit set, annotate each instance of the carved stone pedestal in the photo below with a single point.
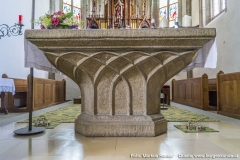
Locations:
(120, 73)
(125, 125)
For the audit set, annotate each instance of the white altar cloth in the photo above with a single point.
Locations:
(206, 58)
(35, 58)
(7, 85)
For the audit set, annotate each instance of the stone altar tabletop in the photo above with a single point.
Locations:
(120, 73)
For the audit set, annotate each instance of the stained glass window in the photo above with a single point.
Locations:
(173, 11)
(218, 6)
(169, 10)
(163, 11)
(68, 6)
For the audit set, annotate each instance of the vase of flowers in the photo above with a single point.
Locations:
(59, 20)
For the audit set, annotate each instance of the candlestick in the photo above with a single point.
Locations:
(20, 18)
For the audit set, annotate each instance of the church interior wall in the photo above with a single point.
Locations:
(12, 48)
(72, 89)
(195, 12)
(227, 25)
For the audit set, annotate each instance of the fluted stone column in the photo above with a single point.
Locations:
(155, 11)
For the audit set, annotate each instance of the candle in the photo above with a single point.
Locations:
(78, 17)
(187, 21)
(153, 21)
(163, 23)
(20, 18)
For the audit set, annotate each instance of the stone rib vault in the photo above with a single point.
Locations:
(120, 73)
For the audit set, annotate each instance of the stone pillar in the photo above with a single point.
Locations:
(155, 11)
(207, 8)
(59, 5)
(180, 12)
(52, 6)
(189, 7)
(72, 6)
(84, 13)
(148, 8)
(200, 13)
(205, 12)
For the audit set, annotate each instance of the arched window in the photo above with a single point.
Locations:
(218, 6)
(169, 10)
(75, 8)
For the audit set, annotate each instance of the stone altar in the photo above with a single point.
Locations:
(120, 73)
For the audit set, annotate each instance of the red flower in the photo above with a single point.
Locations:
(42, 27)
(60, 12)
(55, 21)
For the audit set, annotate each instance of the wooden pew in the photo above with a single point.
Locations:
(46, 92)
(195, 92)
(228, 86)
(18, 102)
(166, 92)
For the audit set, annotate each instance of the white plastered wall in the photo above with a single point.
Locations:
(12, 48)
(228, 40)
(72, 89)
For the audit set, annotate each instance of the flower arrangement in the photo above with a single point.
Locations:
(59, 20)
